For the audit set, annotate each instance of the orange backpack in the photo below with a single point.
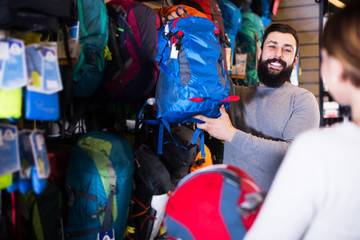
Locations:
(201, 162)
(190, 11)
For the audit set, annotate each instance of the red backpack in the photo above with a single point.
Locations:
(215, 202)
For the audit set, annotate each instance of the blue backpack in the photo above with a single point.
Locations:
(99, 185)
(192, 78)
(89, 68)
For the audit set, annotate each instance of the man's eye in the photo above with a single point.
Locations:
(288, 50)
(271, 46)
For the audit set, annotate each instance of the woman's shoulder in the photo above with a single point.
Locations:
(336, 135)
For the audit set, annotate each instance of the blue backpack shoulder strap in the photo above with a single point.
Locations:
(164, 124)
(199, 133)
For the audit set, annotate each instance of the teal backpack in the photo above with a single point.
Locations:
(89, 68)
(248, 38)
(99, 185)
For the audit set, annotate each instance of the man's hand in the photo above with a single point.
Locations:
(220, 128)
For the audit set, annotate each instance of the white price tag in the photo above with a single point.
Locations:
(174, 52)
(4, 50)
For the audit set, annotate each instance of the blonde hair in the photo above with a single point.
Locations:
(341, 39)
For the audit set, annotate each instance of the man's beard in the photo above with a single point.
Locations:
(270, 79)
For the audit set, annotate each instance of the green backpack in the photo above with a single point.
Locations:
(89, 69)
(248, 38)
(42, 215)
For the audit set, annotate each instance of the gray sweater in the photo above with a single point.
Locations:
(268, 120)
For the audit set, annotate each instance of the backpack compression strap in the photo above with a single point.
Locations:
(112, 177)
(108, 208)
(71, 202)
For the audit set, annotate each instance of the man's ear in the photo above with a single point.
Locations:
(258, 52)
(296, 59)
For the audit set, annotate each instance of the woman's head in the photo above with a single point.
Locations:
(341, 41)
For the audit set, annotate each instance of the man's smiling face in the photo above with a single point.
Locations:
(277, 59)
(279, 46)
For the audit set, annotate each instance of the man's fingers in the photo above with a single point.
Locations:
(180, 12)
(200, 126)
(201, 117)
(223, 110)
(174, 15)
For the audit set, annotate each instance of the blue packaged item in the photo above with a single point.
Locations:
(41, 169)
(41, 106)
(38, 184)
(25, 185)
(15, 183)
(27, 161)
(43, 69)
(9, 149)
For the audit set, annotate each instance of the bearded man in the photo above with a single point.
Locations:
(259, 128)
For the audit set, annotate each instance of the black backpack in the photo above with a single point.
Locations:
(34, 15)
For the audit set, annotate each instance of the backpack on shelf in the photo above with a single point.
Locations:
(249, 38)
(219, 195)
(152, 187)
(188, 11)
(131, 74)
(201, 162)
(33, 15)
(266, 9)
(210, 8)
(93, 38)
(42, 215)
(192, 78)
(232, 23)
(179, 154)
(99, 185)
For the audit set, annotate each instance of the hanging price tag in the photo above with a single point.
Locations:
(106, 235)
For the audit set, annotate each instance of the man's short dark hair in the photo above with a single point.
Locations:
(283, 28)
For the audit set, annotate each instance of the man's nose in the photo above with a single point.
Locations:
(279, 53)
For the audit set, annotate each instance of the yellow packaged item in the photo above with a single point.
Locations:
(5, 181)
(10, 103)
